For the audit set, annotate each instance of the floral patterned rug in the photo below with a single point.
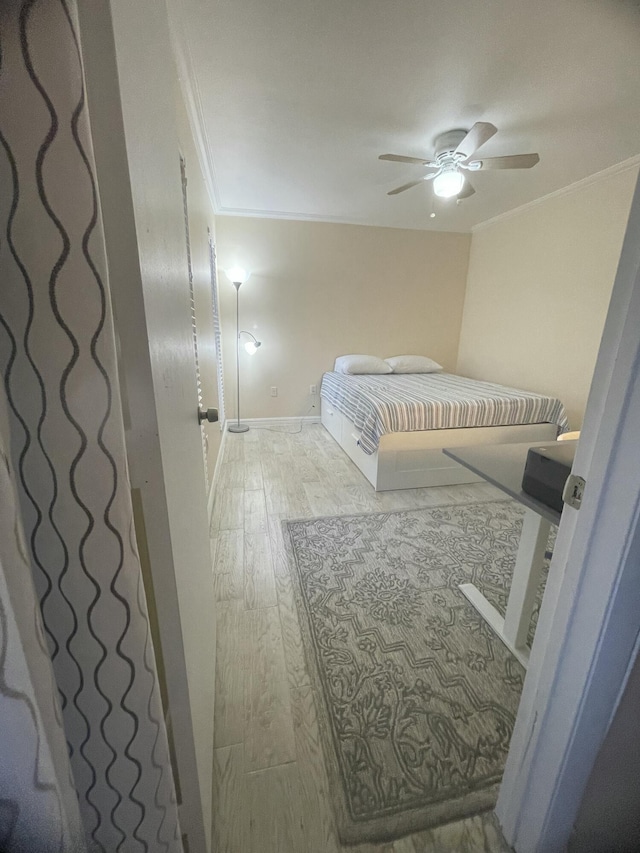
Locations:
(416, 696)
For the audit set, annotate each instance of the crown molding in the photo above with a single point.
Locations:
(193, 101)
(330, 220)
(618, 168)
(286, 214)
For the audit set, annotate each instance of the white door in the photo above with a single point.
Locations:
(132, 101)
(587, 636)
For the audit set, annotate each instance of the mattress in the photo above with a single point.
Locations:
(408, 402)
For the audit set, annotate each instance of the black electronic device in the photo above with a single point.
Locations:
(546, 471)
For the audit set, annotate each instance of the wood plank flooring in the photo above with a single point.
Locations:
(270, 786)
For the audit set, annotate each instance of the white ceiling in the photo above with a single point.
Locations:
(297, 98)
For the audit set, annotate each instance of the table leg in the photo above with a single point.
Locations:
(514, 628)
(526, 577)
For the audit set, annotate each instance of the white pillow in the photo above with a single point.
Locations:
(361, 364)
(413, 364)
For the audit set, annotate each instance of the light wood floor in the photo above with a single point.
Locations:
(270, 787)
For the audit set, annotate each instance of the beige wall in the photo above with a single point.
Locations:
(319, 290)
(538, 289)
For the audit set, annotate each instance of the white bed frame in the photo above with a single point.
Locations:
(412, 460)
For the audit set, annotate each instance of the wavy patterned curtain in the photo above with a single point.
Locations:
(64, 456)
(38, 802)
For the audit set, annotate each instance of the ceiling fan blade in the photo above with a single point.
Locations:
(399, 158)
(405, 187)
(480, 133)
(514, 161)
(467, 190)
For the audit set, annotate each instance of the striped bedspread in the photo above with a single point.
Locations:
(420, 401)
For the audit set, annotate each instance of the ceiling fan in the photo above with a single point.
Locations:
(454, 158)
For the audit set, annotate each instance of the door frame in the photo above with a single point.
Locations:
(588, 632)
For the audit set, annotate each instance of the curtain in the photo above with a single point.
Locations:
(38, 803)
(72, 546)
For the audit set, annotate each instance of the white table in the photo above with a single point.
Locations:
(502, 465)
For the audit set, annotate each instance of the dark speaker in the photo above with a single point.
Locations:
(546, 472)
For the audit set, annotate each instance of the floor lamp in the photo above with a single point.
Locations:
(237, 276)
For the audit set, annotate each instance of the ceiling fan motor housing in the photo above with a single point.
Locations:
(447, 143)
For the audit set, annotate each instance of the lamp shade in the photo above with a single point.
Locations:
(237, 275)
(448, 183)
(250, 346)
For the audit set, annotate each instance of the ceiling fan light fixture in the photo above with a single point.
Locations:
(448, 183)
(455, 156)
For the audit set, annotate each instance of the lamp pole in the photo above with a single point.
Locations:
(238, 427)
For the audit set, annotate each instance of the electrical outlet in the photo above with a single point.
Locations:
(274, 390)
(313, 389)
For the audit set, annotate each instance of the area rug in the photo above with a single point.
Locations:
(416, 696)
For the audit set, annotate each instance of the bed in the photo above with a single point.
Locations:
(394, 426)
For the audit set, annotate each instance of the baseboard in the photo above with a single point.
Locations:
(216, 474)
(268, 422)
